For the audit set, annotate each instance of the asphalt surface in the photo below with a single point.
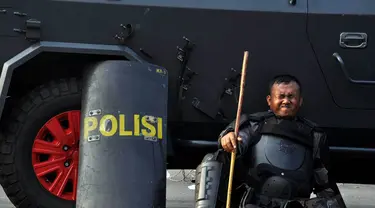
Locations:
(180, 192)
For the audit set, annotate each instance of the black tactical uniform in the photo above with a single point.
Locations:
(278, 160)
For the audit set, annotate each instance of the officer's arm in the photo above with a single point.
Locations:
(230, 128)
(242, 146)
(244, 133)
(325, 183)
(322, 167)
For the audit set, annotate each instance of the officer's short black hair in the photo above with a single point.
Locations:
(285, 79)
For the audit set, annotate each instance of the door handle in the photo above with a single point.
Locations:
(353, 40)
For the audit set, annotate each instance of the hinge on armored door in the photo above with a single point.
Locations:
(32, 31)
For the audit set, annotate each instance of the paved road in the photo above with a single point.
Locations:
(180, 192)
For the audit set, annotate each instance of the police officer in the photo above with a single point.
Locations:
(284, 156)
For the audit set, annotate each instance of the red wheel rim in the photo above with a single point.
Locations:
(55, 155)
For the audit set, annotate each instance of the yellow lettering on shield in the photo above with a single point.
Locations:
(149, 126)
(108, 126)
(87, 127)
(124, 132)
(136, 125)
(104, 122)
(160, 128)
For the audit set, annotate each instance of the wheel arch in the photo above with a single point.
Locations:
(54, 57)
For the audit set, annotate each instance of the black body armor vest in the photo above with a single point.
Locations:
(282, 159)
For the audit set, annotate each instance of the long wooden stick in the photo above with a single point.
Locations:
(233, 157)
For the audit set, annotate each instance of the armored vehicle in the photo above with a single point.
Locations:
(46, 44)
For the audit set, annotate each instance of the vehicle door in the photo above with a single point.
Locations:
(274, 33)
(340, 32)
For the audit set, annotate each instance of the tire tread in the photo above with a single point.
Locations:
(19, 114)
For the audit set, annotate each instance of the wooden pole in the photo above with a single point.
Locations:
(233, 154)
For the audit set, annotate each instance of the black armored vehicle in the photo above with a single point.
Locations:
(46, 44)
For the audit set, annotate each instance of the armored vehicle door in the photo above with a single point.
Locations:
(274, 33)
(341, 32)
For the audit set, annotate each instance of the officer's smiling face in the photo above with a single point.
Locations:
(285, 99)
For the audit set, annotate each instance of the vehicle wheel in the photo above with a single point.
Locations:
(39, 152)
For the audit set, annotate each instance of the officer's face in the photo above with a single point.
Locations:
(285, 99)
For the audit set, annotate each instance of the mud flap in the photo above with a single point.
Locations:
(123, 147)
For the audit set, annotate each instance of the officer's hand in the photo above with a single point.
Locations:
(228, 142)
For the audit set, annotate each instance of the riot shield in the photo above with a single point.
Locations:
(122, 161)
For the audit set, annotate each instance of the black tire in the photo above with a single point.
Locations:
(27, 117)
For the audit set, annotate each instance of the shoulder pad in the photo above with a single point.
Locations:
(245, 119)
(311, 124)
(260, 116)
(308, 122)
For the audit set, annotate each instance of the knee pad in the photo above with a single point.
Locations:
(207, 180)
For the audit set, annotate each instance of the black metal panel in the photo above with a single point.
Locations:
(12, 46)
(158, 27)
(123, 141)
(267, 6)
(11, 20)
(274, 33)
(6, 3)
(340, 7)
(347, 64)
